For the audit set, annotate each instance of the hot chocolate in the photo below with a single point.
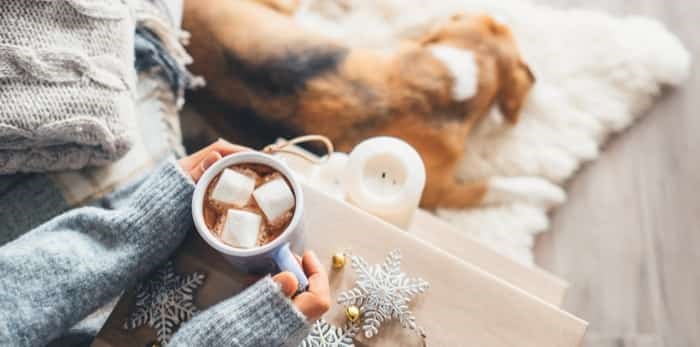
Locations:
(248, 205)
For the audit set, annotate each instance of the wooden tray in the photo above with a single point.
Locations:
(465, 305)
(533, 280)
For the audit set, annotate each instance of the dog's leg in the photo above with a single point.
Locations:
(498, 190)
(455, 194)
(524, 189)
(288, 7)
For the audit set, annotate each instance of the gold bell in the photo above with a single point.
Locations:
(352, 313)
(338, 261)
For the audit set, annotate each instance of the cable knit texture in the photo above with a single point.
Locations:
(259, 316)
(66, 82)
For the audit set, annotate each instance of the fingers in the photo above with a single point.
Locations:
(316, 301)
(222, 146)
(196, 163)
(312, 306)
(209, 159)
(225, 148)
(318, 279)
(288, 283)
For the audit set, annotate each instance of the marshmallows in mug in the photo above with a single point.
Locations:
(241, 228)
(274, 198)
(233, 188)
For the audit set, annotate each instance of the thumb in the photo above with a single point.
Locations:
(288, 283)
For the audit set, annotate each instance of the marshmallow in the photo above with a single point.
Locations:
(233, 188)
(241, 228)
(274, 198)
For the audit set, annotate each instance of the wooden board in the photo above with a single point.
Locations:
(464, 305)
(533, 280)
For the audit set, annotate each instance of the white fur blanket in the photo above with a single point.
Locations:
(595, 75)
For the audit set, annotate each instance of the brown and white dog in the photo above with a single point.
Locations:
(430, 92)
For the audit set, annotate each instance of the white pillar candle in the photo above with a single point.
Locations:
(329, 176)
(385, 176)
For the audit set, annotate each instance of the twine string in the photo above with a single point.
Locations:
(282, 147)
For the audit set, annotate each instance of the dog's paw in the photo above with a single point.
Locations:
(530, 190)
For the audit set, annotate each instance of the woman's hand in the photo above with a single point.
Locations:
(314, 302)
(196, 163)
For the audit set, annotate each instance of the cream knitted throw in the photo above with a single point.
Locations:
(66, 77)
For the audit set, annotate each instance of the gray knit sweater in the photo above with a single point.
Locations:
(64, 269)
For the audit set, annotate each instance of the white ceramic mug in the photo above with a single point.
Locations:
(269, 258)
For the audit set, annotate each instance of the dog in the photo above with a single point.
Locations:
(431, 92)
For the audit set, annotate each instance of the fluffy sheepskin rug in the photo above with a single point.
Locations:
(595, 75)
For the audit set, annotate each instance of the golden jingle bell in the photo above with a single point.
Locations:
(338, 261)
(352, 313)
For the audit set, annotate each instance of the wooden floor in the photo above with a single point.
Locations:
(629, 238)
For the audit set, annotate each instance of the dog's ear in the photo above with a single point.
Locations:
(515, 86)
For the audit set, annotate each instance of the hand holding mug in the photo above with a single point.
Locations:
(198, 162)
(313, 302)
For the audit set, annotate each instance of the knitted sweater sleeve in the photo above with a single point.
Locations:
(58, 273)
(61, 271)
(259, 316)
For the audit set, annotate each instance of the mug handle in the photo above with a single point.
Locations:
(286, 261)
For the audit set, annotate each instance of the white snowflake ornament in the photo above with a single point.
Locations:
(325, 335)
(383, 293)
(165, 301)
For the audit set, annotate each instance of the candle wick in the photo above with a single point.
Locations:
(383, 174)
